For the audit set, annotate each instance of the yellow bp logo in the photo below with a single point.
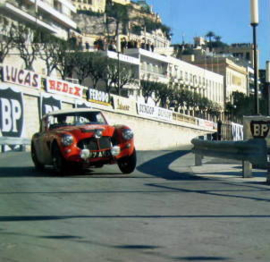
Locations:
(259, 129)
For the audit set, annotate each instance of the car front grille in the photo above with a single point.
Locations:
(95, 144)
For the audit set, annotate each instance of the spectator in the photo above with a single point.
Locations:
(87, 46)
(123, 44)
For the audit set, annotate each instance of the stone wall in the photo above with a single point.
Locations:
(22, 105)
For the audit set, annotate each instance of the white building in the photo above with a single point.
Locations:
(161, 68)
(54, 16)
(204, 82)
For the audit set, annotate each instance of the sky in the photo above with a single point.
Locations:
(229, 19)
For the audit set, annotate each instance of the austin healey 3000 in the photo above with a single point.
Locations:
(82, 138)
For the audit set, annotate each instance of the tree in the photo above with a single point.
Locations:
(210, 35)
(125, 76)
(110, 74)
(120, 13)
(49, 48)
(6, 43)
(97, 66)
(65, 59)
(148, 88)
(163, 92)
(27, 43)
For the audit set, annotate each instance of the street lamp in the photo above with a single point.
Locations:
(267, 80)
(254, 21)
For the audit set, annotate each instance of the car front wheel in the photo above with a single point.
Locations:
(38, 165)
(128, 164)
(59, 163)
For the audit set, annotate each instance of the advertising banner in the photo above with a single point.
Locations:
(48, 104)
(124, 105)
(257, 127)
(21, 77)
(61, 87)
(99, 97)
(11, 112)
(154, 112)
(81, 104)
(206, 123)
(237, 132)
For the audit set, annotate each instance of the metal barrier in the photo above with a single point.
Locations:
(14, 141)
(253, 151)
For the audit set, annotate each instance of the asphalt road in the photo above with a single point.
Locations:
(161, 212)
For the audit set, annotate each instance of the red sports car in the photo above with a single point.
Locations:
(82, 138)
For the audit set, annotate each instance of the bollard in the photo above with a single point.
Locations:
(268, 175)
(246, 169)
(198, 160)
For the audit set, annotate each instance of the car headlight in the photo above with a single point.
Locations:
(128, 134)
(98, 134)
(67, 140)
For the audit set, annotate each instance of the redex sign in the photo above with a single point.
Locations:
(64, 88)
(21, 77)
(11, 113)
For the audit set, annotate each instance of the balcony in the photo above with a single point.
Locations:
(55, 14)
(152, 76)
(22, 14)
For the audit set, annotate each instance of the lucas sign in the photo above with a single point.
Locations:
(21, 77)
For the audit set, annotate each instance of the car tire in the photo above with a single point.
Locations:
(128, 164)
(37, 164)
(59, 163)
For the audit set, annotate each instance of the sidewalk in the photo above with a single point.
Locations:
(224, 169)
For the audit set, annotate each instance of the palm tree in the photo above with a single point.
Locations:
(210, 35)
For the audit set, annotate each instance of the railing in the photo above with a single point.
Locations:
(13, 142)
(253, 151)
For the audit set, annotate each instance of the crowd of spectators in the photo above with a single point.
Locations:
(102, 44)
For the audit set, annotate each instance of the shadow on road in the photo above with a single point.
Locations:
(199, 216)
(159, 167)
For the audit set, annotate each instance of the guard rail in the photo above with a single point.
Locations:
(14, 141)
(253, 151)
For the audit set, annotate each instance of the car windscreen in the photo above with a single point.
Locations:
(76, 119)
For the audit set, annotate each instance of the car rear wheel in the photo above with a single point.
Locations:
(128, 164)
(59, 163)
(38, 165)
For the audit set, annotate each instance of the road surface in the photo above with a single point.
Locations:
(162, 212)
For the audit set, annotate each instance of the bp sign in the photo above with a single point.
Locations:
(49, 104)
(11, 112)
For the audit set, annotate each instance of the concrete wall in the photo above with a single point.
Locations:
(150, 134)
(156, 135)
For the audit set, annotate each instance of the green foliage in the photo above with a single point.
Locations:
(243, 105)
(90, 13)
(174, 96)
(152, 26)
(136, 29)
(148, 88)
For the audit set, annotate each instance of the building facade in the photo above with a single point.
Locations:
(54, 16)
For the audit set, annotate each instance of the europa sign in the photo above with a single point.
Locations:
(21, 77)
(64, 88)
